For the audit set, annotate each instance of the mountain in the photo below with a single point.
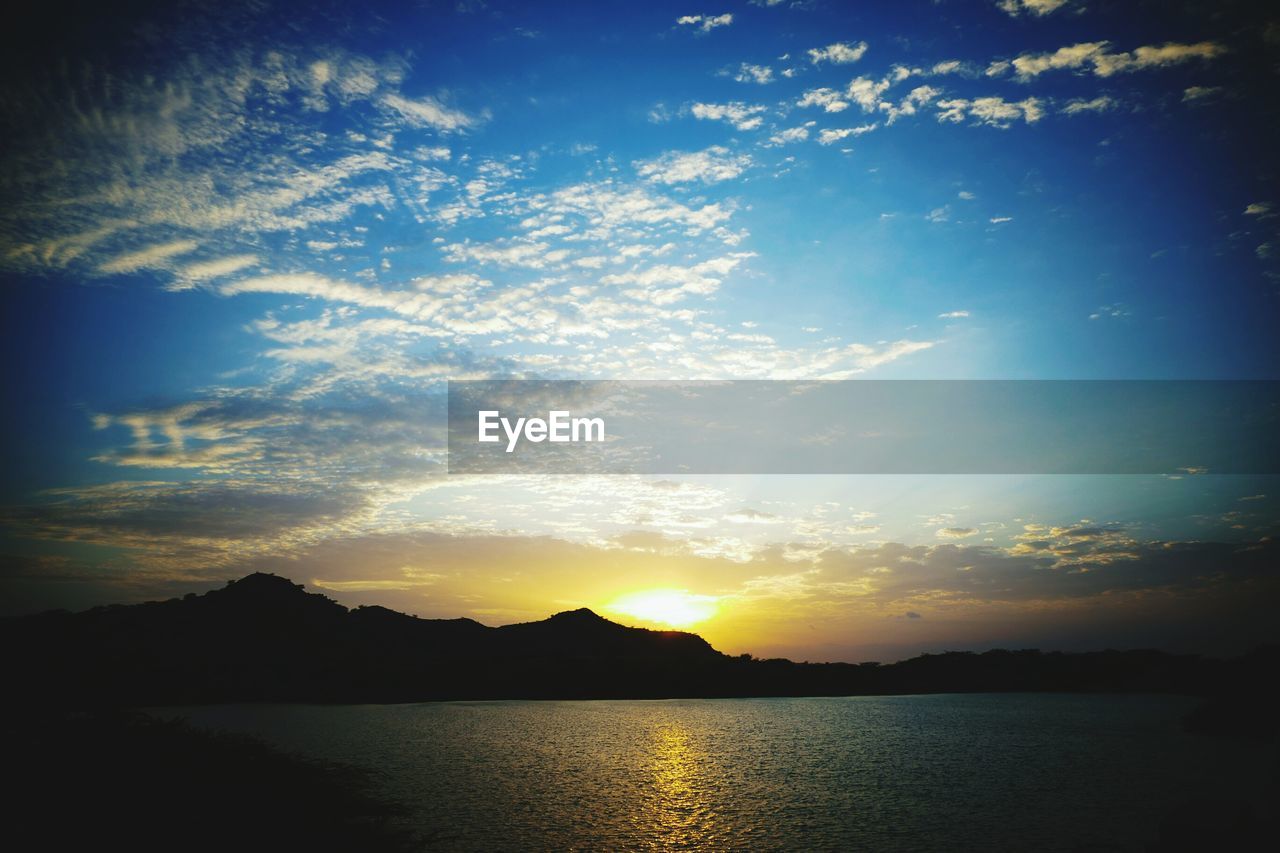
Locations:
(264, 638)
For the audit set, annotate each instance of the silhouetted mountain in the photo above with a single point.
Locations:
(264, 638)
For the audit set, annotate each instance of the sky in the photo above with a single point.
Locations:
(245, 245)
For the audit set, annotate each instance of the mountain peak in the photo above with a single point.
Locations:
(263, 582)
(264, 593)
(582, 614)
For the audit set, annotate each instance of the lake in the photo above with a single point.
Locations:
(1012, 771)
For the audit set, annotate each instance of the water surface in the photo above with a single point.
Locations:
(1016, 772)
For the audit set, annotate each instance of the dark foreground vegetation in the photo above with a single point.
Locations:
(263, 638)
(79, 781)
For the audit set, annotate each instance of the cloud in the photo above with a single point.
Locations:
(869, 95)
(152, 256)
(990, 111)
(705, 23)
(408, 303)
(664, 284)
(748, 73)
(147, 183)
(741, 116)
(914, 100)
(792, 134)
(838, 53)
(1201, 94)
(307, 181)
(160, 512)
(953, 315)
(1091, 592)
(1095, 55)
(193, 274)
(1259, 209)
(829, 99)
(1100, 104)
(708, 166)
(866, 92)
(530, 254)
(752, 516)
(831, 136)
(1038, 8)
(1118, 311)
(428, 112)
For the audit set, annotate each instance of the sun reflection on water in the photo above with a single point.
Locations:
(679, 810)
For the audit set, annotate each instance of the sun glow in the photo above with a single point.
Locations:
(677, 608)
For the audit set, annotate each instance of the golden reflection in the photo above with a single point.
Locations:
(680, 812)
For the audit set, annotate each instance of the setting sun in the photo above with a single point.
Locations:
(677, 608)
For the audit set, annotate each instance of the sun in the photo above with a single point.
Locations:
(677, 608)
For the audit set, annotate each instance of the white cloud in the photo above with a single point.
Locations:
(705, 23)
(991, 111)
(1200, 94)
(664, 284)
(533, 255)
(866, 92)
(1258, 208)
(201, 271)
(748, 73)
(1096, 56)
(741, 116)
(708, 166)
(997, 220)
(1100, 104)
(607, 209)
(792, 134)
(428, 112)
(1118, 311)
(831, 136)
(953, 315)
(152, 256)
(408, 303)
(838, 53)
(1038, 8)
(829, 99)
(147, 180)
(916, 98)
(1030, 65)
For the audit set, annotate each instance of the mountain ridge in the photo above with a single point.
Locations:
(265, 638)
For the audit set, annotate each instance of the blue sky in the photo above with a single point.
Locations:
(244, 247)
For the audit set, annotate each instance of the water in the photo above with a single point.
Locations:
(1016, 772)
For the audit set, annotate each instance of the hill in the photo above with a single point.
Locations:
(264, 638)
